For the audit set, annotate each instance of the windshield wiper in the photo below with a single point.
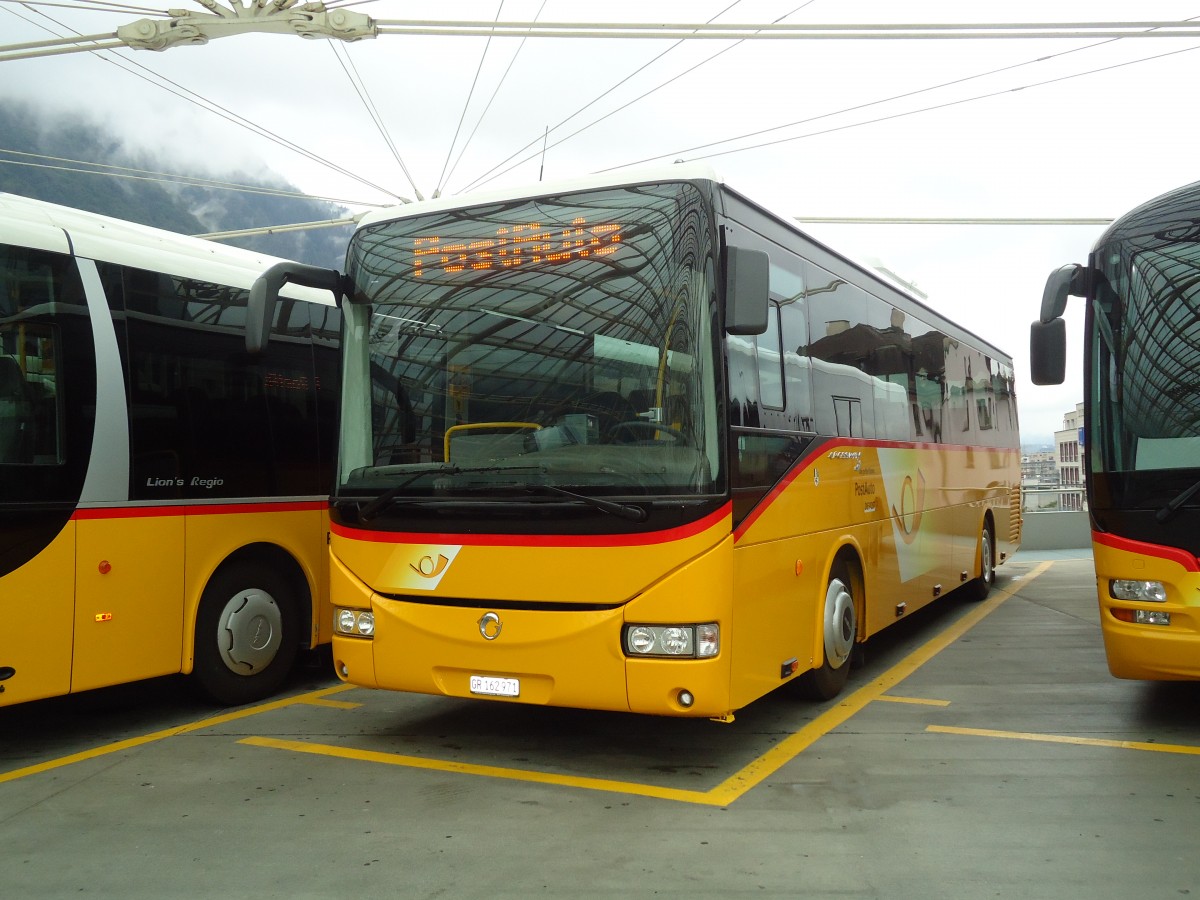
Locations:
(626, 511)
(374, 507)
(1168, 511)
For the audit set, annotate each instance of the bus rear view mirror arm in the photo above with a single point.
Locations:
(264, 294)
(1063, 282)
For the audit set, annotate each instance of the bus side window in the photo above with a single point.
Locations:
(29, 400)
(770, 362)
(16, 420)
(797, 371)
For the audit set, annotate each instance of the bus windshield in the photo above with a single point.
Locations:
(1146, 343)
(537, 346)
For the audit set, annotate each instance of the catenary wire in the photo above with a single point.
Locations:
(914, 112)
(484, 179)
(360, 87)
(488, 106)
(184, 93)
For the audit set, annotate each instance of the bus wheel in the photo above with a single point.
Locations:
(246, 635)
(982, 586)
(840, 628)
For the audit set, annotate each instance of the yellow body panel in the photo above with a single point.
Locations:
(128, 600)
(37, 609)
(910, 516)
(562, 657)
(1154, 652)
(114, 597)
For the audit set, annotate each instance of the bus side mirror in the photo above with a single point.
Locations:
(1048, 352)
(264, 295)
(747, 282)
(1048, 335)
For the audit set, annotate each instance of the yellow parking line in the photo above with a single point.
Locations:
(791, 747)
(726, 792)
(129, 743)
(920, 701)
(1186, 749)
(331, 704)
(441, 765)
(732, 787)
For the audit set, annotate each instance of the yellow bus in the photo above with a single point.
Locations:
(1141, 440)
(163, 496)
(641, 445)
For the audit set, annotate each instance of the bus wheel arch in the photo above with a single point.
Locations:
(252, 618)
(840, 626)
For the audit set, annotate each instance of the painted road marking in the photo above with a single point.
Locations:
(724, 793)
(732, 787)
(1186, 749)
(117, 747)
(310, 700)
(920, 701)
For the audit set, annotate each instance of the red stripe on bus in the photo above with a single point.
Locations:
(216, 509)
(538, 540)
(1172, 554)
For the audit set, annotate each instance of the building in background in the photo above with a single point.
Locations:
(1069, 461)
(1052, 479)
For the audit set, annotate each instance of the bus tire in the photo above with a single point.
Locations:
(246, 634)
(839, 626)
(979, 588)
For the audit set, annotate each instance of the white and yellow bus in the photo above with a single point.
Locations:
(163, 496)
(640, 445)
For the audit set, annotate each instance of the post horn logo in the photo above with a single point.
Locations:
(910, 518)
(428, 567)
(489, 626)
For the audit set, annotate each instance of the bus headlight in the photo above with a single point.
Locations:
(1144, 591)
(675, 641)
(354, 622)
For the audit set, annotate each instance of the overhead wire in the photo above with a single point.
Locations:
(94, 6)
(466, 105)
(488, 106)
(179, 90)
(484, 179)
(85, 167)
(364, 95)
(229, 115)
(933, 108)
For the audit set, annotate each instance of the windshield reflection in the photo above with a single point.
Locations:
(586, 362)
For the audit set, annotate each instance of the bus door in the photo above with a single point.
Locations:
(44, 334)
(129, 559)
(128, 599)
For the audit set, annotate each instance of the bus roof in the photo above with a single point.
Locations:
(689, 171)
(103, 238)
(643, 175)
(1177, 207)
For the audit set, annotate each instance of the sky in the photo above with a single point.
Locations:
(997, 128)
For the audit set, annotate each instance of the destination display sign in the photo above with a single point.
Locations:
(513, 247)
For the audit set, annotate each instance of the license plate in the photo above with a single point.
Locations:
(495, 687)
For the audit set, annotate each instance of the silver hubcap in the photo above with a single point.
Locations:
(986, 571)
(840, 626)
(250, 631)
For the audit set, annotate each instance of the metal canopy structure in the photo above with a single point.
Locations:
(317, 20)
